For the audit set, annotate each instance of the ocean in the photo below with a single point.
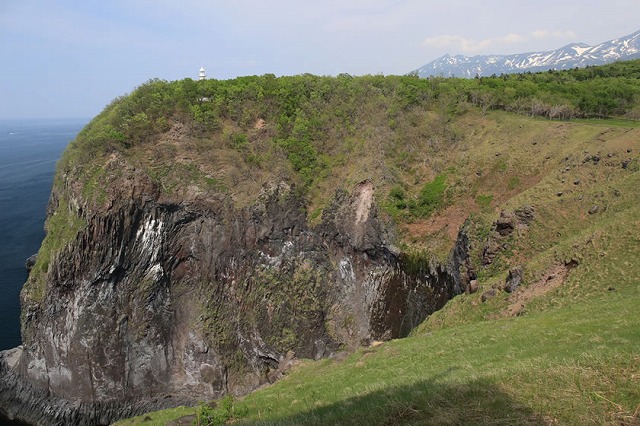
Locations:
(29, 150)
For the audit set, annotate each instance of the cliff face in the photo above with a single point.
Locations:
(156, 300)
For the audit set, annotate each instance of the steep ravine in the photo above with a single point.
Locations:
(157, 302)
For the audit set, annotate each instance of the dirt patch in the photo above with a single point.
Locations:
(177, 133)
(260, 124)
(551, 280)
(449, 221)
(185, 420)
(364, 197)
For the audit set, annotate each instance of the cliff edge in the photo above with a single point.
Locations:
(161, 283)
(202, 235)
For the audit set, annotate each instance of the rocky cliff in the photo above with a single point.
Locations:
(202, 235)
(146, 299)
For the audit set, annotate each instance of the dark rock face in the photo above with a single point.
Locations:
(525, 215)
(595, 159)
(505, 224)
(514, 278)
(30, 262)
(194, 299)
(40, 407)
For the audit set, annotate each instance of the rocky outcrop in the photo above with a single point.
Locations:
(30, 262)
(514, 279)
(503, 228)
(159, 301)
(22, 400)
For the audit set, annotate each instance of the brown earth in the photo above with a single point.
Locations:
(449, 220)
(551, 280)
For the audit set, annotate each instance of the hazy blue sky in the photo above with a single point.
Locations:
(63, 58)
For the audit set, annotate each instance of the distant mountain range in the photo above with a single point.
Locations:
(570, 56)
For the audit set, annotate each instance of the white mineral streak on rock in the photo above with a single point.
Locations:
(271, 261)
(346, 270)
(287, 251)
(155, 271)
(150, 237)
(375, 281)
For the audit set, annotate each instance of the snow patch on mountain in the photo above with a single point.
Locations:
(570, 56)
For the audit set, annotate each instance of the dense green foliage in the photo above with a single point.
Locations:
(62, 228)
(321, 128)
(219, 415)
(430, 198)
(606, 91)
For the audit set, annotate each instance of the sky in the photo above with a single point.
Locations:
(70, 58)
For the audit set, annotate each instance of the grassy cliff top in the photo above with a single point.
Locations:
(436, 149)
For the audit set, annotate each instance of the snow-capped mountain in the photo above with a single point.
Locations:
(570, 56)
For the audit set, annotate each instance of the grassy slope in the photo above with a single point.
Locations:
(572, 358)
(577, 365)
(562, 365)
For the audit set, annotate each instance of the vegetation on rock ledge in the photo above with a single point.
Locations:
(328, 132)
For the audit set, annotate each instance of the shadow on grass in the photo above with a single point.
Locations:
(425, 403)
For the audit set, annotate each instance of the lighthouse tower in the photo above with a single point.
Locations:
(202, 75)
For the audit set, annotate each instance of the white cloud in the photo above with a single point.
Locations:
(458, 43)
(467, 45)
(539, 34)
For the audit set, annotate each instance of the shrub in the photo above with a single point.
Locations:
(397, 198)
(208, 416)
(239, 141)
(431, 197)
(303, 156)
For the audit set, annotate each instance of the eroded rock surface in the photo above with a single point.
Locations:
(158, 301)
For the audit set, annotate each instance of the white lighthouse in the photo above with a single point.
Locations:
(202, 75)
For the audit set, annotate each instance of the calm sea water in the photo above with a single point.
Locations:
(29, 150)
